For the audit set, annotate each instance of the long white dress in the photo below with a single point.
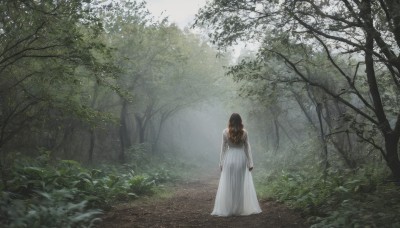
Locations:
(236, 194)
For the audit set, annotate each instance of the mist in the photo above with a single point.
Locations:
(112, 112)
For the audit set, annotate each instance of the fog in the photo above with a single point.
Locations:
(104, 102)
(144, 81)
(196, 133)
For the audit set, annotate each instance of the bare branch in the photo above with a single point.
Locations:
(30, 49)
(355, 72)
(20, 81)
(334, 18)
(349, 81)
(387, 14)
(23, 40)
(334, 95)
(316, 31)
(372, 142)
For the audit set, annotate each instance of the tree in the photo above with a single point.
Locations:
(367, 32)
(162, 71)
(48, 54)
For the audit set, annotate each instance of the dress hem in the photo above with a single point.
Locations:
(246, 214)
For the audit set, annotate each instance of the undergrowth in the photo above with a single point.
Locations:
(41, 193)
(338, 198)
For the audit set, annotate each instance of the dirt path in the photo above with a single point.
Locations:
(191, 205)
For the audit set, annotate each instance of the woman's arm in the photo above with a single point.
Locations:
(247, 150)
(224, 147)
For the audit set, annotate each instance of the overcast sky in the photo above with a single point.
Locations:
(181, 12)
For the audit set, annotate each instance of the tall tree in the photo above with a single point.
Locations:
(48, 54)
(364, 31)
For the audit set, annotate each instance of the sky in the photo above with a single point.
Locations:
(181, 12)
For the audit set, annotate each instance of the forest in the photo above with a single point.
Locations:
(108, 112)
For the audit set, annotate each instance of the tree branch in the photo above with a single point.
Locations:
(316, 31)
(293, 66)
(349, 81)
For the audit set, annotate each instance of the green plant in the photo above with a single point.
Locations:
(141, 185)
(161, 175)
(47, 209)
(341, 198)
(43, 191)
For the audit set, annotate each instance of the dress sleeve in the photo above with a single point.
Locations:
(247, 150)
(224, 147)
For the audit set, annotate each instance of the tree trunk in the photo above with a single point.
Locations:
(140, 127)
(141, 134)
(123, 131)
(3, 171)
(350, 163)
(392, 157)
(341, 138)
(323, 140)
(163, 118)
(66, 143)
(279, 125)
(92, 143)
(276, 127)
(391, 137)
(91, 130)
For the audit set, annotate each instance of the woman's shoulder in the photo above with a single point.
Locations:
(245, 132)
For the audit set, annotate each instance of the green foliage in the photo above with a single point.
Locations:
(63, 193)
(338, 198)
(50, 56)
(380, 209)
(299, 189)
(47, 209)
(69, 67)
(140, 184)
(162, 175)
(158, 168)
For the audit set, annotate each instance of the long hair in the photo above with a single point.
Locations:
(235, 128)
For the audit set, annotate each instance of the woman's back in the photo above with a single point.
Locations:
(236, 194)
(232, 144)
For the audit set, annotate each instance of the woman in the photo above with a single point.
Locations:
(236, 194)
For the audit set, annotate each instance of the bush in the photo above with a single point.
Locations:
(339, 199)
(52, 209)
(141, 185)
(379, 208)
(62, 194)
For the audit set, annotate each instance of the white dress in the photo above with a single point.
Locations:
(236, 194)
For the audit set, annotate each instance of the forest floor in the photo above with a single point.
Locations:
(189, 204)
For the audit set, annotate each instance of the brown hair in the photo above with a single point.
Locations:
(235, 127)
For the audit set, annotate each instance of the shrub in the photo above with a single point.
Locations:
(340, 199)
(46, 209)
(61, 194)
(140, 185)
